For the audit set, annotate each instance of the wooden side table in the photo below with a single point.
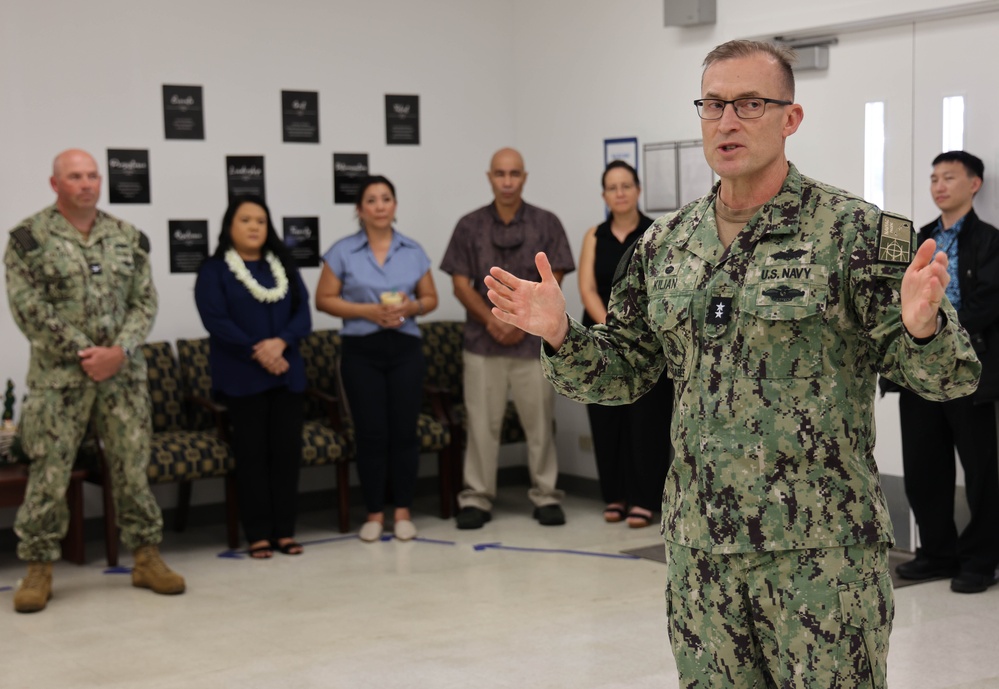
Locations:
(13, 483)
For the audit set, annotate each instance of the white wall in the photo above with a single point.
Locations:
(90, 75)
(553, 77)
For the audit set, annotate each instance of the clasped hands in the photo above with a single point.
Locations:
(393, 315)
(100, 363)
(270, 354)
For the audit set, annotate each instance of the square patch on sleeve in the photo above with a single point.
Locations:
(895, 239)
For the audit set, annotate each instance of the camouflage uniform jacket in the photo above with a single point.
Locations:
(774, 346)
(68, 292)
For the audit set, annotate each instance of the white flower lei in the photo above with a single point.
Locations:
(259, 292)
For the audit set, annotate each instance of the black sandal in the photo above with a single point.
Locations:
(261, 552)
(292, 547)
(637, 519)
(614, 513)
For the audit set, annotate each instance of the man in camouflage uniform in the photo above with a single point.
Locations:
(773, 302)
(79, 287)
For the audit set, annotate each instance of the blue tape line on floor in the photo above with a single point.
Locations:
(241, 554)
(118, 570)
(433, 540)
(6, 588)
(500, 546)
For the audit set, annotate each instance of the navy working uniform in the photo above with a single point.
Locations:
(67, 292)
(775, 522)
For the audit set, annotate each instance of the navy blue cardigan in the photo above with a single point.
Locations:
(236, 321)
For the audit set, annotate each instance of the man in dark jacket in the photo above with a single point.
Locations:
(931, 430)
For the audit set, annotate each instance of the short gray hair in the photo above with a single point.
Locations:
(783, 55)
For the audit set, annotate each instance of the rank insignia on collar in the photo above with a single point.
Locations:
(895, 239)
(719, 310)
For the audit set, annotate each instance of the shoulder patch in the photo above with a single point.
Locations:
(896, 239)
(143, 241)
(24, 241)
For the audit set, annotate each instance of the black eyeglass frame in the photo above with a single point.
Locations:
(699, 103)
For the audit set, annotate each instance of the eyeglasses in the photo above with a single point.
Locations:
(745, 108)
(625, 186)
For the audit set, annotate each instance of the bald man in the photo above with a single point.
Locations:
(80, 289)
(500, 360)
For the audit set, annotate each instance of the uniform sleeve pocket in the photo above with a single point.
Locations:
(672, 314)
(867, 608)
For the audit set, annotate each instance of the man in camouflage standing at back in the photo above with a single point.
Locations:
(773, 303)
(80, 288)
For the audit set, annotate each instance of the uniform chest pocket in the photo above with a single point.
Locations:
(672, 316)
(782, 328)
(120, 260)
(63, 280)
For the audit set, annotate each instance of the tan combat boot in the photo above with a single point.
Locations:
(150, 572)
(35, 589)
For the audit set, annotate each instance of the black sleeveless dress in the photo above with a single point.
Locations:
(608, 254)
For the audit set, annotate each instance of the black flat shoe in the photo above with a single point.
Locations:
(969, 582)
(550, 515)
(925, 568)
(472, 518)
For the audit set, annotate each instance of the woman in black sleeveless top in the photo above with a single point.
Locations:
(631, 442)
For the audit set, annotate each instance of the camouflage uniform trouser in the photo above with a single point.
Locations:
(790, 619)
(53, 423)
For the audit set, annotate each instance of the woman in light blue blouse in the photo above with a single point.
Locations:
(378, 281)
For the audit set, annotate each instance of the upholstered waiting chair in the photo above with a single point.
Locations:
(321, 351)
(442, 347)
(180, 453)
(324, 438)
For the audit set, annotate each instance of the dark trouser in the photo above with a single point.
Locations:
(267, 442)
(930, 432)
(383, 379)
(632, 446)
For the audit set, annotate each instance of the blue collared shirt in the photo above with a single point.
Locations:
(354, 264)
(947, 241)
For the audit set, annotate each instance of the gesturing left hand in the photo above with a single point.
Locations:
(923, 289)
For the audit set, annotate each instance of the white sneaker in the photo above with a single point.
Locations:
(371, 532)
(405, 530)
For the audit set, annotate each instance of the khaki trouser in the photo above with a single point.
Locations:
(489, 380)
(53, 423)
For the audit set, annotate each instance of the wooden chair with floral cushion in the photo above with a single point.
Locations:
(326, 440)
(321, 351)
(181, 449)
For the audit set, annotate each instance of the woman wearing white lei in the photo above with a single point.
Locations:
(255, 308)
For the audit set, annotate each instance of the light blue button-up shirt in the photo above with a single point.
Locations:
(353, 262)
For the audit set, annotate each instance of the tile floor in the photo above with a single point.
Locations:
(512, 605)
